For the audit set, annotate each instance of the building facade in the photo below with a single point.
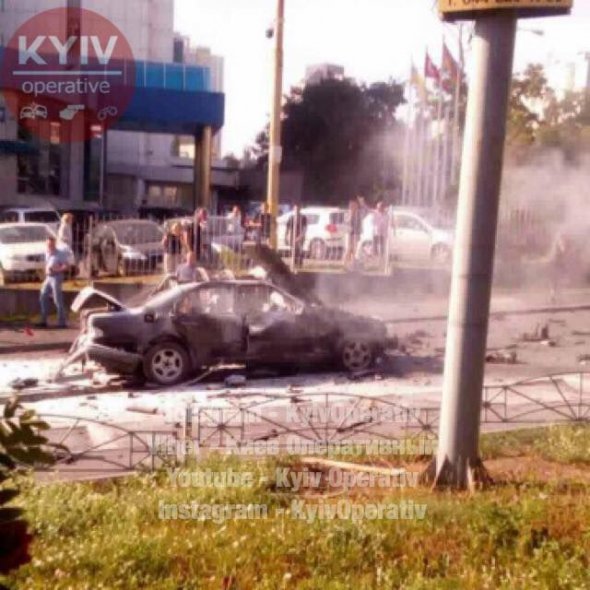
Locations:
(136, 164)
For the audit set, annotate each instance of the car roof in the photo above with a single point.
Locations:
(321, 209)
(19, 224)
(127, 221)
(27, 209)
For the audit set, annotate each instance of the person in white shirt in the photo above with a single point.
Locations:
(64, 233)
(380, 228)
(187, 272)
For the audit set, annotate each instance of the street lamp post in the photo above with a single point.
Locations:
(275, 149)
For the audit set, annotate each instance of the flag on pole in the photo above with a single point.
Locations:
(417, 81)
(450, 71)
(450, 67)
(431, 71)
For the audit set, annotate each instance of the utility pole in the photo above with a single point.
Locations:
(457, 463)
(481, 173)
(275, 148)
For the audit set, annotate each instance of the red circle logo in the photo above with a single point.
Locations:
(67, 74)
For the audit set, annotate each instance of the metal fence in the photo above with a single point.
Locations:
(112, 244)
(258, 423)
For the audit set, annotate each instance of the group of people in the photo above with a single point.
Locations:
(366, 226)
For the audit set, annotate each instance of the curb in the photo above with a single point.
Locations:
(40, 347)
(498, 313)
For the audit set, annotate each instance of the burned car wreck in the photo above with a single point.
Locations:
(192, 326)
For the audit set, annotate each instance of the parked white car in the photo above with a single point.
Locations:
(415, 237)
(326, 231)
(22, 250)
(31, 215)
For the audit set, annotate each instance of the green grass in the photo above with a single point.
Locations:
(563, 444)
(526, 535)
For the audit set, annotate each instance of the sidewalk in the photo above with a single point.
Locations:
(25, 338)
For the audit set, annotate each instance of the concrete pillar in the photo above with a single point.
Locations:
(457, 463)
(206, 144)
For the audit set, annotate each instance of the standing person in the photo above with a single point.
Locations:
(172, 243)
(56, 265)
(296, 231)
(355, 223)
(187, 272)
(558, 259)
(366, 247)
(381, 226)
(363, 207)
(193, 235)
(263, 225)
(64, 233)
(235, 218)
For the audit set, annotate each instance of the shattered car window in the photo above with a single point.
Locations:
(253, 299)
(208, 300)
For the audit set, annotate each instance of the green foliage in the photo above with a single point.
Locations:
(342, 135)
(539, 118)
(21, 446)
(529, 536)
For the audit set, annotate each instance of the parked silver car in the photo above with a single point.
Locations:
(127, 246)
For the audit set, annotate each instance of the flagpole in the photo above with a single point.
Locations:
(437, 139)
(406, 172)
(456, 106)
(445, 155)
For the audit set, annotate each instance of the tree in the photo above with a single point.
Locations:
(336, 133)
(538, 118)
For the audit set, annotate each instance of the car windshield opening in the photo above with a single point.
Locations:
(130, 233)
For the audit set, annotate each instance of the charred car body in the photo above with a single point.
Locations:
(191, 326)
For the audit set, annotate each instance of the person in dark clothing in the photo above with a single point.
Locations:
(172, 243)
(296, 231)
(355, 227)
(263, 224)
(193, 236)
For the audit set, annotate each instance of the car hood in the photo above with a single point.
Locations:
(91, 297)
(280, 274)
(26, 248)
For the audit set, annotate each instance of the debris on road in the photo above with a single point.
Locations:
(540, 334)
(358, 375)
(151, 410)
(235, 381)
(20, 384)
(506, 357)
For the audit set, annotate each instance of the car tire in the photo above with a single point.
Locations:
(317, 249)
(440, 254)
(166, 363)
(357, 354)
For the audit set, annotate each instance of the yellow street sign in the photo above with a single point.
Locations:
(471, 9)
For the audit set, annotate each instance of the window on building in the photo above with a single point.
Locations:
(39, 173)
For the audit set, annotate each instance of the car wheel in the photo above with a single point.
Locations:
(166, 363)
(441, 254)
(317, 249)
(357, 355)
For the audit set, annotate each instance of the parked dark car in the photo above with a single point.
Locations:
(188, 327)
(126, 246)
